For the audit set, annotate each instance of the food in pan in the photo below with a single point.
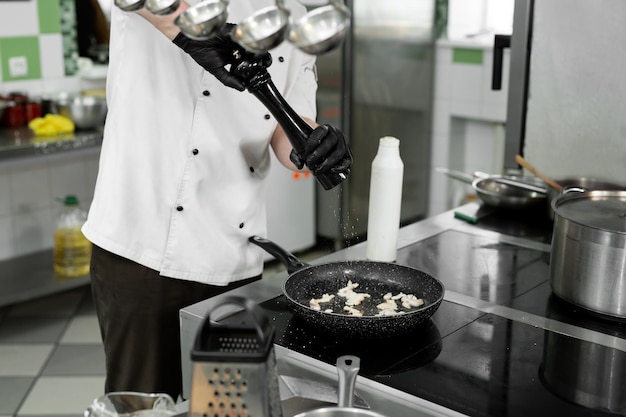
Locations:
(353, 303)
(315, 302)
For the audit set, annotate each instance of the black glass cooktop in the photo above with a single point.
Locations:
(477, 363)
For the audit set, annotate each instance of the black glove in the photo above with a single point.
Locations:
(325, 150)
(218, 51)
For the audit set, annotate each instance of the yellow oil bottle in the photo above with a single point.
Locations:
(72, 251)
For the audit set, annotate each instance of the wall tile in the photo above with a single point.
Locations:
(443, 84)
(33, 229)
(52, 64)
(18, 18)
(68, 177)
(30, 188)
(53, 86)
(466, 108)
(31, 87)
(49, 16)
(466, 82)
(27, 46)
(467, 56)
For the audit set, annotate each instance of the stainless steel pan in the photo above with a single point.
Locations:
(504, 191)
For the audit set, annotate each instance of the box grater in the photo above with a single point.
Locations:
(234, 367)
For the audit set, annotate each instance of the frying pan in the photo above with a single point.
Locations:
(375, 278)
(505, 191)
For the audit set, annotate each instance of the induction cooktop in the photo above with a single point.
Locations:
(475, 362)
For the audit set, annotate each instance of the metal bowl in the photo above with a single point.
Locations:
(262, 31)
(130, 5)
(321, 30)
(203, 20)
(87, 112)
(162, 7)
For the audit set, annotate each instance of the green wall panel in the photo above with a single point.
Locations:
(27, 46)
(467, 56)
(49, 16)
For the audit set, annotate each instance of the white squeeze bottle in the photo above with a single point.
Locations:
(385, 199)
(72, 250)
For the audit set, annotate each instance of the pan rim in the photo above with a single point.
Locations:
(416, 311)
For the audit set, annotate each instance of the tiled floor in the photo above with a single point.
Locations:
(51, 355)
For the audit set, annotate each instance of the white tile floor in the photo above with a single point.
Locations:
(51, 356)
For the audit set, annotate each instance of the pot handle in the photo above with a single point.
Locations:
(291, 261)
(567, 190)
(348, 369)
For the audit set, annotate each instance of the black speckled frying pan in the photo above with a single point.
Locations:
(375, 278)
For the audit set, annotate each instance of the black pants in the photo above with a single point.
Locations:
(138, 313)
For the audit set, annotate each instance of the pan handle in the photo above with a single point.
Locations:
(291, 262)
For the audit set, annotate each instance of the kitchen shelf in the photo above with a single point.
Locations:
(30, 276)
(22, 142)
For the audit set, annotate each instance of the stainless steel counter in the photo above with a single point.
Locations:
(483, 295)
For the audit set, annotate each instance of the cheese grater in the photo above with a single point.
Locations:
(234, 367)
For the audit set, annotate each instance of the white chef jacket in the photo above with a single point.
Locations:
(180, 184)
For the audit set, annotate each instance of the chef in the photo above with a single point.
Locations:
(180, 186)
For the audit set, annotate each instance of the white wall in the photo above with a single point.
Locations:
(468, 120)
(576, 122)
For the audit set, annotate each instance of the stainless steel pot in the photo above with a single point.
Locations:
(348, 369)
(581, 372)
(587, 183)
(588, 257)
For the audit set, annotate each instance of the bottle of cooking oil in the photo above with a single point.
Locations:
(72, 251)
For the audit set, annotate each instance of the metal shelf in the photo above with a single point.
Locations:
(30, 276)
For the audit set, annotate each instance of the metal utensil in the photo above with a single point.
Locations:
(520, 160)
(263, 30)
(130, 5)
(497, 178)
(322, 29)
(203, 20)
(162, 7)
(234, 370)
(348, 370)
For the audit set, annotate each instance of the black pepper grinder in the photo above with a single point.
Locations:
(259, 83)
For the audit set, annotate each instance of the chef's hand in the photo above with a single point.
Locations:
(325, 150)
(218, 51)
